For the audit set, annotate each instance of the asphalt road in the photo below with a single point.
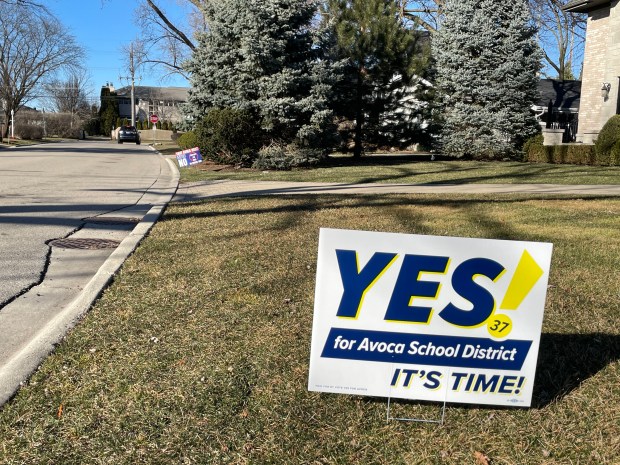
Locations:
(46, 191)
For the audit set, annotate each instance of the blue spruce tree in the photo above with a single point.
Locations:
(260, 56)
(487, 72)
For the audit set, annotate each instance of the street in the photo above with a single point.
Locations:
(46, 190)
(70, 214)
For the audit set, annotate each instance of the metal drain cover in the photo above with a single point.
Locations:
(113, 220)
(85, 244)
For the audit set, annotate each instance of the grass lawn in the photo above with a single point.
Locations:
(418, 169)
(198, 353)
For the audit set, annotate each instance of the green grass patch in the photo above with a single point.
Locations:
(419, 169)
(164, 147)
(198, 353)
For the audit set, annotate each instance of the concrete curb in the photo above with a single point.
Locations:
(24, 363)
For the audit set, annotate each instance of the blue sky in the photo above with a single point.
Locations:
(102, 27)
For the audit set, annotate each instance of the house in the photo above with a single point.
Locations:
(165, 102)
(600, 96)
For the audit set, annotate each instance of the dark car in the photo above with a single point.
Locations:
(128, 134)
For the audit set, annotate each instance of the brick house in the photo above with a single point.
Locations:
(600, 96)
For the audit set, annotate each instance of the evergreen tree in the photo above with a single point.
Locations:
(108, 112)
(382, 58)
(487, 63)
(259, 56)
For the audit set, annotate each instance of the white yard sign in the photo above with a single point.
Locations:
(428, 318)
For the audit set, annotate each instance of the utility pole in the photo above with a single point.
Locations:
(132, 79)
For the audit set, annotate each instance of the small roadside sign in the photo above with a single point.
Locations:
(189, 157)
(154, 119)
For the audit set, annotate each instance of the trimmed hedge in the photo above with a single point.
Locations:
(573, 154)
(615, 154)
(606, 141)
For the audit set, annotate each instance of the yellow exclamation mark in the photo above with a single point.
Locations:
(526, 276)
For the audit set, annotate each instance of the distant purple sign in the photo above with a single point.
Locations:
(189, 157)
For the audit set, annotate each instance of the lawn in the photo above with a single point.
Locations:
(198, 352)
(418, 169)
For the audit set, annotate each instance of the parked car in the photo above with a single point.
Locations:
(128, 134)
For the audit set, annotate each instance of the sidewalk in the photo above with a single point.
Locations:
(221, 188)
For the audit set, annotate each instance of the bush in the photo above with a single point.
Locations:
(575, 154)
(29, 131)
(189, 140)
(92, 126)
(607, 139)
(534, 150)
(229, 136)
(615, 154)
(276, 156)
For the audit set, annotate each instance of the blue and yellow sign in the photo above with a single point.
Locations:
(428, 318)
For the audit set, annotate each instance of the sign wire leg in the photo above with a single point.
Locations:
(419, 420)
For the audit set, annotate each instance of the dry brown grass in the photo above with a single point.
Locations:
(198, 353)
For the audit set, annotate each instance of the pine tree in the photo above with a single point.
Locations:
(382, 58)
(108, 112)
(487, 63)
(259, 56)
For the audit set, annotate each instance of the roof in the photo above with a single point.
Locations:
(175, 94)
(584, 6)
(564, 95)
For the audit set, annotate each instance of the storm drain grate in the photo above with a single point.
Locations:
(113, 220)
(85, 244)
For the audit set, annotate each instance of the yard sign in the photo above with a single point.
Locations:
(189, 157)
(428, 318)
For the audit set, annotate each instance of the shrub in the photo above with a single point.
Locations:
(63, 125)
(575, 154)
(92, 126)
(615, 154)
(30, 131)
(607, 139)
(229, 136)
(533, 149)
(188, 140)
(277, 156)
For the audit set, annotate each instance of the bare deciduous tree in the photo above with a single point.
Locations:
(561, 36)
(68, 95)
(34, 46)
(424, 14)
(165, 43)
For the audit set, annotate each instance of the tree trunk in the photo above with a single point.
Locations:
(359, 117)
(7, 123)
